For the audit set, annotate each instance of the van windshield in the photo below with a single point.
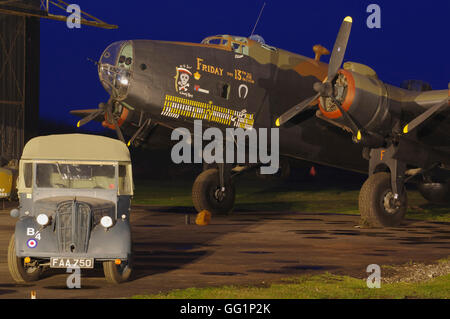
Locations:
(78, 176)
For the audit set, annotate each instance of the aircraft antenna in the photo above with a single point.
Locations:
(257, 20)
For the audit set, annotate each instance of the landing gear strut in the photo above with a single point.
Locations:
(383, 199)
(213, 190)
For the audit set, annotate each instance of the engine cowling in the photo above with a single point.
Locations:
(123, 115)
(438, 193)
(364, 97)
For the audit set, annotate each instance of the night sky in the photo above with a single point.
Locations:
(411, 44)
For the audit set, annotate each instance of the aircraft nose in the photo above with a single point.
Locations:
(115, 68)
(111, 53)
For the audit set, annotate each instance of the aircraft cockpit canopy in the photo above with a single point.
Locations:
(236, 43)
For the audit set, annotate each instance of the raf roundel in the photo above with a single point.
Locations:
(32, 243)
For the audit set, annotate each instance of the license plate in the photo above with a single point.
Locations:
(62, 262)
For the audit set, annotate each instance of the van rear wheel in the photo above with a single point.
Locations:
(19, 272)
(117, 274)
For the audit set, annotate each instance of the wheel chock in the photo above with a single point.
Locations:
(203, 218)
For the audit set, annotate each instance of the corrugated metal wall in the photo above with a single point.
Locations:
(29, 5)
(19, 83)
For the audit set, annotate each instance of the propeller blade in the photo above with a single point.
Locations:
(297, 109)
(356, 128)
(116, 125)
(93, 114)
(83, 112)
(424, 116)
(337, 55)
(139, 131)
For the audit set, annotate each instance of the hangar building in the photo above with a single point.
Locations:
(19, 68)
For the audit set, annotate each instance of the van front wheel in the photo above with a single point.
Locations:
(117, 274)
(16, 265)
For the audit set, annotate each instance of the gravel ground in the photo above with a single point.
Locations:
(415, 272)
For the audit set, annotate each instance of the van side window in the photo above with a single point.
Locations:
(124, 181)
(28, 174)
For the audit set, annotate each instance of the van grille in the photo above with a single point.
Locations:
(73, 225)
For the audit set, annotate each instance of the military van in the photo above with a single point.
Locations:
(75, 193)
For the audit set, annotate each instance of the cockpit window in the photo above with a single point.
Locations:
(216, 41)
(239, 48)
(240, 39)
(236, 44)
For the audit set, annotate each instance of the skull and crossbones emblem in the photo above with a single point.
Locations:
(183, 79)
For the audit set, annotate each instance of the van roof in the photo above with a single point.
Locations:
(76, 147)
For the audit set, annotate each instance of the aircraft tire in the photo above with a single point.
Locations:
(117, 274)
(375, 202)
(204, 193)
(17, 270)
(437, 193)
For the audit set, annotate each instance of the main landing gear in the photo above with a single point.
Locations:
(382, 199)
(214, 191)
(378, 204)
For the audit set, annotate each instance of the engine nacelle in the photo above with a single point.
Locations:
(123, 116)
(364, 97)
(128, 120)
(438, 193)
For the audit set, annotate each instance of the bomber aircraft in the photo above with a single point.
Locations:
(332, 114)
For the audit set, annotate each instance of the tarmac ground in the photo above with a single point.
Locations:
(244, 248)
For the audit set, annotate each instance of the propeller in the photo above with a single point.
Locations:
(325, 89)
(93, 114)
(299, 108)
(105, 109)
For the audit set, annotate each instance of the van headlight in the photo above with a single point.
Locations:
(42, 219)
(106, 221)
